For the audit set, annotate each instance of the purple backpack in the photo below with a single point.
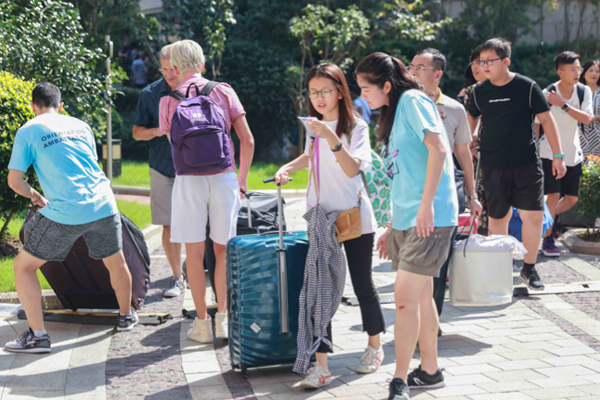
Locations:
(199, 140)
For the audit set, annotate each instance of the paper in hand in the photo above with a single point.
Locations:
(309, 131)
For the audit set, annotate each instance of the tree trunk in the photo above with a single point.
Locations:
(566, 5)
(582, 8)
(542, 18)
(5, 226)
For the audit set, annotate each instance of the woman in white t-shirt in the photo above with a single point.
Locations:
(344, 150)
(590, 137)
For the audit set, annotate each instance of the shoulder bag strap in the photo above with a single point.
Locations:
(314, 171)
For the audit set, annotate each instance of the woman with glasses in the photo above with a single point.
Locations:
(342, 151)
(473, 76)
(590, 137)
(425, 209)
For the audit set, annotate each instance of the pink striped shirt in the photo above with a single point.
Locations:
(222, 94)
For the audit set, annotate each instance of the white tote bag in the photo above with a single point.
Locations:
(481, 270)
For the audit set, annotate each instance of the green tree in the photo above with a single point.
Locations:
(484, 19)
(339, 36)
(122, 19)
(43, 41)
(204, 21)
(15, 111)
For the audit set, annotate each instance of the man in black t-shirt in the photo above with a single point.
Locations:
(512, 174)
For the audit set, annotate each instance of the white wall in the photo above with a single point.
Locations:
(150, 7)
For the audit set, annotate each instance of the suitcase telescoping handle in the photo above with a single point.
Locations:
(249, 206)
(283, 289)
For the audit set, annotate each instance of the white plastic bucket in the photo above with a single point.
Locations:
(481, 277)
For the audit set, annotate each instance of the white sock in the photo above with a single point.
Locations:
(38, 333)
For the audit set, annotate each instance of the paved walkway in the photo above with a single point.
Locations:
(545, 346)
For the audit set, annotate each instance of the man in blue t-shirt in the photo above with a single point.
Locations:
(78, 202)
(160, 160)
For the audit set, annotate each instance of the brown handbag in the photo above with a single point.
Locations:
(348, 224)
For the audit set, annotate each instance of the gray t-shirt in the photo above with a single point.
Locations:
(455, 121)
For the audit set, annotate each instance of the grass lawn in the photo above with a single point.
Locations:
(139, 214)
(135, 174)
(7, 276)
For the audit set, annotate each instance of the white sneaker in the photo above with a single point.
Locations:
(201, 331)
(221, 326)
(370, 361)
(316, 377)
(176, 289)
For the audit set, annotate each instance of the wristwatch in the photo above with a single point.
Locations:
(337, 148)
(565, 107)
(474, 197)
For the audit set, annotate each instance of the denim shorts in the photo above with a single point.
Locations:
(51, 241)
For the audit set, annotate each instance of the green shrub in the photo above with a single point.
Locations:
(588, 206)
(15, 111)
(122, 125)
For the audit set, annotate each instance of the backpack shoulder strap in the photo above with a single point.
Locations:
(177, 95)
(551, 88)
(475, 98)
(208, 88)
(580, 93)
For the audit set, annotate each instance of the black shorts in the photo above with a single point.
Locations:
(521, 187)
(568, 185)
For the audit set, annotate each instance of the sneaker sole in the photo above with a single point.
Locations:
(200, 340)
(550, 254)
(527, 284)
(130, 327)
(433, 386)
(309, 385)
(365, 372)
(39, 350)
(171, 295)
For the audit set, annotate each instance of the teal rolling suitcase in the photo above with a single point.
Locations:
(265, 274)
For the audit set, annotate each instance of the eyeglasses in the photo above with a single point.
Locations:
(324, 93)
(410, 68)
(485, 63)
(578, 70)
(165, 71)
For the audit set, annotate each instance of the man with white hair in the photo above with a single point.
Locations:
(214, 197)
(160, 160)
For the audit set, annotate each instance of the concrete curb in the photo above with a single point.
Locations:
(49, 299)
(577, 245)
(136, 191)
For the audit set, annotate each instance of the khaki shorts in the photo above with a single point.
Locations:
(161, 190)
(420, 255)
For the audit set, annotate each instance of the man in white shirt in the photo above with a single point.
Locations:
(428, 67)
(571, 107)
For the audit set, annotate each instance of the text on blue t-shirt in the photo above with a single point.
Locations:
(62, 150)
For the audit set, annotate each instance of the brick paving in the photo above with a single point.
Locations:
(145, 363)
(539, 347)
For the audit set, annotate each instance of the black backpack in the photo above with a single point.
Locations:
(580, 93)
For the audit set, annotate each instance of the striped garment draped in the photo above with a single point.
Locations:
(324, 279)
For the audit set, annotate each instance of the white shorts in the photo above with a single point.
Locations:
(200, 199)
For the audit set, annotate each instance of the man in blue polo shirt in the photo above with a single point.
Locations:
(162, 170)
(78, 202)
